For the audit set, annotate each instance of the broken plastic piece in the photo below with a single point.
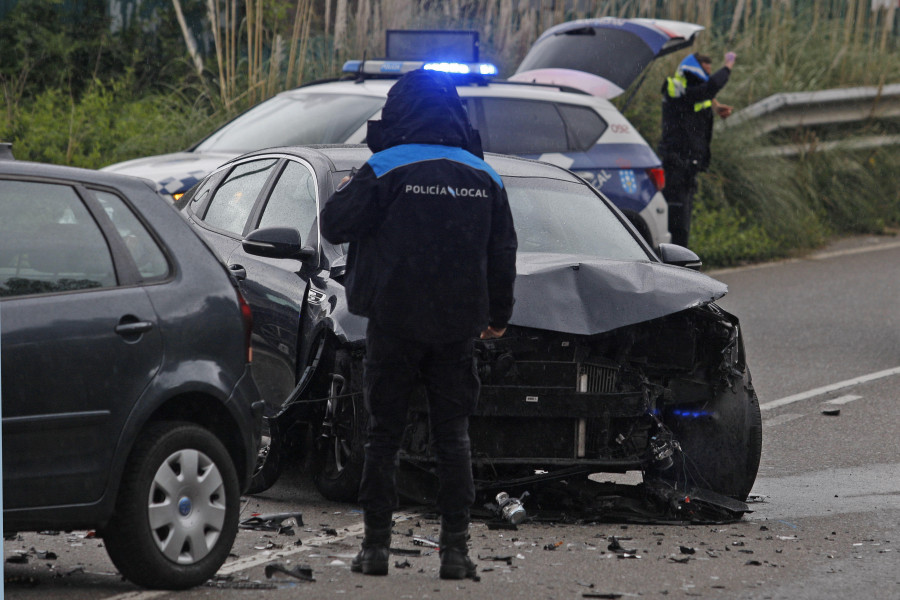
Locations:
(271, 522)
(507, 559)
(301, 572)
(406, 551)
(421, 541)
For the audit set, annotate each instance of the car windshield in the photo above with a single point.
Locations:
(293, 119)
(567, 218)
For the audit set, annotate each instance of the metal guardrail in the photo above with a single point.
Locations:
(824, 107)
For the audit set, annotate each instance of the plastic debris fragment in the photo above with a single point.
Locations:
(301, 572)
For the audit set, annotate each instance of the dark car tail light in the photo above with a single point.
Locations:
(247, 316)
(658, 177)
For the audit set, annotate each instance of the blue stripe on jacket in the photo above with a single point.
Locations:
(407, 154)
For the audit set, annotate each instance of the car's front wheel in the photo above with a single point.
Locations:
(721, 442)
(337, 471)
(177, 511)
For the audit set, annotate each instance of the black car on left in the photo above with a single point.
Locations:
(616, 359)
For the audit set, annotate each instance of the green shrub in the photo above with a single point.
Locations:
(105, 125)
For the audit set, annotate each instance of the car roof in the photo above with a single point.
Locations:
(344, 157)
(20, 168)
(498, 88)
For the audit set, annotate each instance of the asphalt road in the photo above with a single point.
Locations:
(822, 334)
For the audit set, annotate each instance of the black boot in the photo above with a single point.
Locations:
(376, 547)
(455, 561)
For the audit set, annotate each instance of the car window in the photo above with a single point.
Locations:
(567, 218)
(293, 200)
(294, 119)
(148, 256)
(514, 126)
(584, 124)
(49, 242)
(230, 208)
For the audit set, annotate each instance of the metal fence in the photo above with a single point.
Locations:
(798, 110)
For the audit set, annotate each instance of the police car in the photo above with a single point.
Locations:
(555, 108)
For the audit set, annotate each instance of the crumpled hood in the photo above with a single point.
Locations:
(173, 173)
(587, 296)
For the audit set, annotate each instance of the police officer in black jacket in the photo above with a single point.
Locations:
(689, 102)
(431, 264)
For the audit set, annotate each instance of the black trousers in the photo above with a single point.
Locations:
(394, 368)
(681, 185)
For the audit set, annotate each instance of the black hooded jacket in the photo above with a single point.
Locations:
(686, 127)
(432, 245)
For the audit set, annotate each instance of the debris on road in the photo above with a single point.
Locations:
(273, 522)
(229, 582)
(406, 551)
(508, 559)
(511, 509)
(831, 412)
(18, 559)
(301, 572)
(423, 541)
(579, 499)
(553, 546)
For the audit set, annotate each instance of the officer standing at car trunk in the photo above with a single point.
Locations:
(431, 264)
(689, 101)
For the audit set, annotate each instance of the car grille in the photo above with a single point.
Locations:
(596, 379)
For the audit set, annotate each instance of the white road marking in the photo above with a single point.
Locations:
(255, 560)
(781, 419)
(829, 388)
(844, 399)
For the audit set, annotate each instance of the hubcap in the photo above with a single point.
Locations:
(186, 506)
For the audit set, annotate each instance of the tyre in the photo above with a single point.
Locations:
(270, 459)
(720, 445)
(337, 470)
(177, 510)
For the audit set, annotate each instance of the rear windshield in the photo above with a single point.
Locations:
(294, 119)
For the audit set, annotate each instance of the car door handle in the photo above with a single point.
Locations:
(239, 272)
(132, 328)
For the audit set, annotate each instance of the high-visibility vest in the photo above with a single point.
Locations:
(676, 87)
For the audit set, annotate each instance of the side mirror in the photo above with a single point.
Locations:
(673, 254)
(277, 242)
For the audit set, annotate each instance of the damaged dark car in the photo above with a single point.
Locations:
(616, 359)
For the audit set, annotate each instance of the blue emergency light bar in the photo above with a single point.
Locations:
(449, 51)
(399, 67)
